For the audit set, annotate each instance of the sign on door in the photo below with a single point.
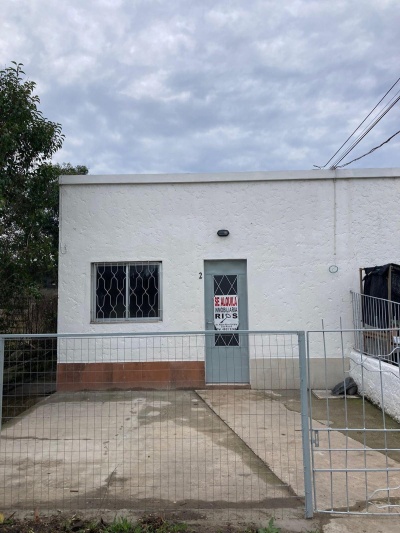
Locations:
(226, 312)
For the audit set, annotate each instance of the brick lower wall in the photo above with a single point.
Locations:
(155, 375)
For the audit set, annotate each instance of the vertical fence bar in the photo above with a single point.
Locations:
(305, 428)
(2, 343)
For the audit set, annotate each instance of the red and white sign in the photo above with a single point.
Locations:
(226, 312)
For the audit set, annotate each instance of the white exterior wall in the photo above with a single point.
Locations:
(378, 381)
(290, 227)
(122, 349)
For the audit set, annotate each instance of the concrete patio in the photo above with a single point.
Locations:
(269, 422)
(152, 451)
(231, 454)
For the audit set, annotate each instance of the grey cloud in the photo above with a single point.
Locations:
(155, 86)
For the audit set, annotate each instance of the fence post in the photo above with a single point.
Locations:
(1, 379)
(305, 427)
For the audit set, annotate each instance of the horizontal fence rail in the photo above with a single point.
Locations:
(200, 421)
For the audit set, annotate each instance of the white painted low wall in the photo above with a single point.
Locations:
(168, 347)
(142, 349)
(284, 373)
(378, 381)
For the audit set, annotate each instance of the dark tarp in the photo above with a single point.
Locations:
(380, 314)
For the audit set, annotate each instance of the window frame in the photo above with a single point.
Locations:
(126, 264)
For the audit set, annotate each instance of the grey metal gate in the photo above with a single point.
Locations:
(355, 439)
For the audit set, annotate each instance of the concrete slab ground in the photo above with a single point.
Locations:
(151, 451)
(363, 524)
(208, 457)
(273, 432)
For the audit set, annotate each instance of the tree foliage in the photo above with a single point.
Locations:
(28, 188)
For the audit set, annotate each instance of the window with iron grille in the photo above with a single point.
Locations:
(126, 291)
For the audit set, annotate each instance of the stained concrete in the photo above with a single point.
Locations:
(264, 421)
(150, 450)
(207, 458)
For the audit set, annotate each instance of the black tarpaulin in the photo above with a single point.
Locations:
(381, 282)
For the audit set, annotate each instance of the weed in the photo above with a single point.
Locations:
(149, 524)
(122, 525)
(76, 525)
(271, 528)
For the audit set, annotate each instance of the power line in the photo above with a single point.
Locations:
(358, 127)
(366, 131)
(370, 152)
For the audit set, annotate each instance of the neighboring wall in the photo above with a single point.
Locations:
(379, 381)
(290, 226)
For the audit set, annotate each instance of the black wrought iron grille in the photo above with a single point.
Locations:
(226, 285)
(127, 291)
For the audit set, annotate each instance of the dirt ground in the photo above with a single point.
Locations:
(37, 523)
(147, 524)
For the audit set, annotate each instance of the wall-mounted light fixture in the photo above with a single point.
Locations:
(222, 233)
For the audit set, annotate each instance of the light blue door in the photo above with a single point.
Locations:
(227, 352)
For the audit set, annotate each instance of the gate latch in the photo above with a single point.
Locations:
(315, 438)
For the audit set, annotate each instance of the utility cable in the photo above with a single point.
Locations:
(361, 137)
(358, 127)
(370, 152)
(373, 122)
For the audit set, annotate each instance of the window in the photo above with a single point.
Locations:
(126, 291)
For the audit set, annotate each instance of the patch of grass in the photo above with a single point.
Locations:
(122, 525)
(149, 524)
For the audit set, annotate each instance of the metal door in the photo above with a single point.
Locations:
(227, 352)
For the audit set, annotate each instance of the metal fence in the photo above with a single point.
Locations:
(377, 327)
(147, 422)
(355, 439)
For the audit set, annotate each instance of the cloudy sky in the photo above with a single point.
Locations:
(208, 85)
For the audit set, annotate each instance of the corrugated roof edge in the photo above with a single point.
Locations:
(221, 177)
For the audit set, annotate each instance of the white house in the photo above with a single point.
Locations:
(218, 252)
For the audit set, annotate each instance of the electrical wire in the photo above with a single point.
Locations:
(370, 152)
(366, 131)
(358, 127)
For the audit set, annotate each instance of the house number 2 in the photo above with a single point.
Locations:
(200, 275)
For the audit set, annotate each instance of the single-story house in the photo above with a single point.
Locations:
(176, 253)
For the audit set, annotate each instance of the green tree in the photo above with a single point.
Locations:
(51, 218)
(28, 189)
